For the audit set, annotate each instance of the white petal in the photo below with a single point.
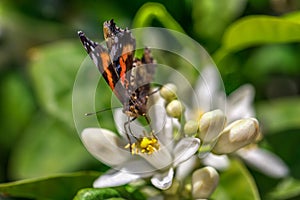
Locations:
(130, 171)
(240, 103)
(208, 89)
(220, 162)
(160, 122)
(163, 181)
(138, 166)
(120, 118)
(185, 148)
(159, 159)
(115, 178)
(185, 168)
(190, 113)
(157, 114)
(165, 136)
(105, 146)
(264, 161)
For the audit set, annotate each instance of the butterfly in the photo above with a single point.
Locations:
(128, 77)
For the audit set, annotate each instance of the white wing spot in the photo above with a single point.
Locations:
(95, 60)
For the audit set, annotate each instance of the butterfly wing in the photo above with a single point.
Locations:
(128, 78)
(144, 73)
(121, 46)
(107, 68)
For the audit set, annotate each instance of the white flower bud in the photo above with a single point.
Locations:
(168, 92)
(205, 181)
(191, 127)
(211, 124)
(175, 109)
(237, 135)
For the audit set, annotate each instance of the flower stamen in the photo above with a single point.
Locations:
(146, 145)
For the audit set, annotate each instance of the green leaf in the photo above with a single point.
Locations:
(121, 192)
(97, 193)
(63, 186)
(257, 30)
(293, 17)
(268, 59)
(150, 11)
(53, 69)
(236, 183)
(288, 188)
(279, 114)
(285, 144)
(47, 147)
(17, 107)
(34, 30)
(210, 17)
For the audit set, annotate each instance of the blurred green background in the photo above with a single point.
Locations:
(254, 41)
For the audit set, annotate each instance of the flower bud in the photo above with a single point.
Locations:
(237, 135)
(205, 181)
(211, 124)
(175, 109)
(191, 127)
(168, 92)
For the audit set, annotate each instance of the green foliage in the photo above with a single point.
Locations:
(286, 189)
(150, 11)
(236, 183)
(47, 147)
(211, 17)
(15, 114)
(279, 114)
(52, 187)
(53, 69)
(257, 30)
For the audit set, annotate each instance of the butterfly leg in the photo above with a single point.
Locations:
(127, 135)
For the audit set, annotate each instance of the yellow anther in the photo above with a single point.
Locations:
(145, 142)
(133, 145)
(148, 145)
(144, 145)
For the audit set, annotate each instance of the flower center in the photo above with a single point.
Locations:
(146, 145)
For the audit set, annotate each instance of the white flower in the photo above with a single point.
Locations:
(210, 96)
(238, 105)
(107, 147)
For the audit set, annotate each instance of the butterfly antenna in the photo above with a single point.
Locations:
(94, 113)
(155, 91)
